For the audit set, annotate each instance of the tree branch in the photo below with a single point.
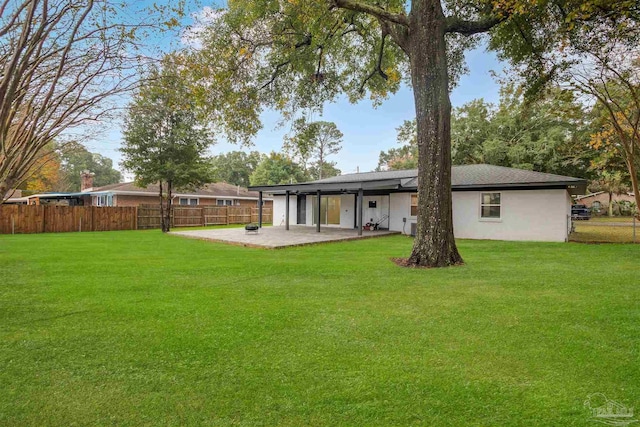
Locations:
(275, 74)
(398, 33)
(378, 69)
(378, 12)
(469, 28)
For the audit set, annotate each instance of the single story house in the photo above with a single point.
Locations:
(489, 202)
(129, 194)
(598, 202)
(14, 197)
(213, 194)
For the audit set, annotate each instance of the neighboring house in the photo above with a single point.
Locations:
(489, 202)
(14, 197)
(214, 194)
(129, 194)
(599, 201)
(58, 199)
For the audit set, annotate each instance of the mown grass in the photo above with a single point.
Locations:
(611, 219)
(137, 328)
(586, 233)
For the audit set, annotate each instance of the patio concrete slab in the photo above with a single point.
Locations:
(278, 237)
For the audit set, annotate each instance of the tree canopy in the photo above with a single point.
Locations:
(311, 143)
(165, 140)
(549, 134)
(292, 56)
(235, 167)
(64, 64)
(75, 158)
(277, 168)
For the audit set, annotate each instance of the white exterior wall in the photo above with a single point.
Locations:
(525, 215)
(537, 215)
(279, 208)
(401, 208)
(374, 214)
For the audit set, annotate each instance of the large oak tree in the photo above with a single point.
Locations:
(295, 55)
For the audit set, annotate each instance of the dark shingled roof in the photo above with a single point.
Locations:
(468, 177)
(215, 189)
(461, 176)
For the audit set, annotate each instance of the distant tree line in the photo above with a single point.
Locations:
(554, 133)
(60, 169)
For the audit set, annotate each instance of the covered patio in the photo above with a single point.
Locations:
(279, 237)
(317, 194)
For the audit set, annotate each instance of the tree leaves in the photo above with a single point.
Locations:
(165, 137)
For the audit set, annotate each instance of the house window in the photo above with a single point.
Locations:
(595, 206)
(490, 206)
(104, 200)
(185, 201)
(414, 204)
(224, 202)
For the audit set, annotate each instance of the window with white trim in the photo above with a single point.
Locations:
(103, 200)
(490, 206)
(224, 202)
(186, 201)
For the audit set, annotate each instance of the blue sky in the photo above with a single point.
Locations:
(367, 130)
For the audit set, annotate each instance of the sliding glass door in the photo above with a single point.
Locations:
(329, 210)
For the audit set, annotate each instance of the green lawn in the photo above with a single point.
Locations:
(137, 328)
(611, 219)
(589, 233)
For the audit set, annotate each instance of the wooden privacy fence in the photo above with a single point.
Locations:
(199, 216)
(27, 219)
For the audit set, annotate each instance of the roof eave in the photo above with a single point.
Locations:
(308, 187)
(153, 194)
(574, 187)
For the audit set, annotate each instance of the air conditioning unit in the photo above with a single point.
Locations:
(414, 229)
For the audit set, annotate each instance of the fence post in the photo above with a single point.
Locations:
(80, 230)
(203, 216)
(13, 225)
(227, 214)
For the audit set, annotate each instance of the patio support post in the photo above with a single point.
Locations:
(286, 210)
(260, 209)
(360, 203)
(318, 211)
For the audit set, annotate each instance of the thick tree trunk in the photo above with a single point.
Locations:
(610, 204)
(434, 245)
(635, 186)
(4, 189)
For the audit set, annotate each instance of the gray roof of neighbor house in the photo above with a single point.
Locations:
(462, 177)
(13, 193)
(597, 193)
(215, 189)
